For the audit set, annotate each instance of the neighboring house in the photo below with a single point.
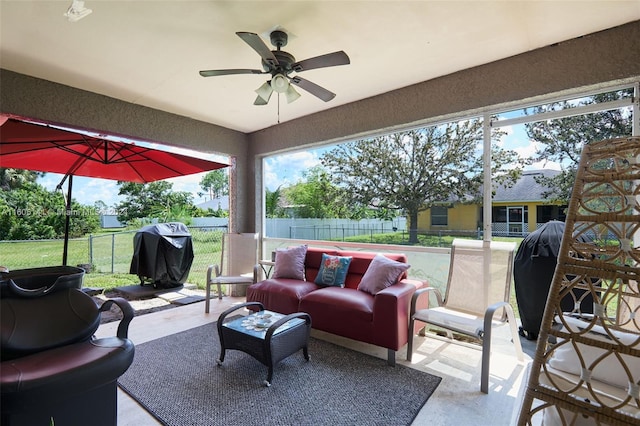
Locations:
(221, 203)
(516, 210)
(109, 221)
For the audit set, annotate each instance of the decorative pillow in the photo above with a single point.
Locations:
(333, 270)
(290, 262)
(381, 273)
(609, 370)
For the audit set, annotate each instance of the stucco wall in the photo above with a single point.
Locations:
(461, 217)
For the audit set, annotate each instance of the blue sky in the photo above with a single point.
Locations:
(280, 170)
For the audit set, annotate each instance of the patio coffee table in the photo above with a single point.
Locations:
(267, 336)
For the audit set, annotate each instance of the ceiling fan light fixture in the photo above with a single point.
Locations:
(265, 91)
(291, 94)
(279, 83)
(76, 11)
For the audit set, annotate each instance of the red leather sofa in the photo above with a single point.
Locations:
(381, 319)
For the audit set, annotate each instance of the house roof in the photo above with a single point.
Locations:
(526, 188)
(221, 203)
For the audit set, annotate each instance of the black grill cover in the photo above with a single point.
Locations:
(533, 270)
(162, 254)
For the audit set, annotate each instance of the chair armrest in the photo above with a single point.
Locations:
(425, 290)
(221, 318)
(238, 307)
(273, 327)
(256, 272)
(211, 270)
(127, 314)
(508, 316)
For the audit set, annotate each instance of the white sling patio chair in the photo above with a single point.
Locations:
(238, 263)
(476, 297)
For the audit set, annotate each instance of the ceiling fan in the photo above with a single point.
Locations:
(280, 65)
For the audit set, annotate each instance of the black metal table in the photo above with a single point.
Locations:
(267, 336)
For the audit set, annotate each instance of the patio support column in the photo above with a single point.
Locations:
(65, 248)
(486, 185)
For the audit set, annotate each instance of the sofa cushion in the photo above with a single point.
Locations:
(290, 262)
(381, 273)
(609, 369)
(280, 294)
(343, 307)
(333, 270)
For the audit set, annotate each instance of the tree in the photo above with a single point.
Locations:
(272, 198)
(216, 183)
(17, 178)
(562, 139)
(152, 200)
(316, 195)
(411, 170)
(33, 212)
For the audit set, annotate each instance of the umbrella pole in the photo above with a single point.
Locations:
(67, 219)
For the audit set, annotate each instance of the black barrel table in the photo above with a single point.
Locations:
(267, 336)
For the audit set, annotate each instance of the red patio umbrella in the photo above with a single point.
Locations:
(34, 146)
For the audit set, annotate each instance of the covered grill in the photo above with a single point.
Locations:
(162, 254)
(533, 270)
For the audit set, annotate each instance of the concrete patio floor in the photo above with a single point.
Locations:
(456, 401)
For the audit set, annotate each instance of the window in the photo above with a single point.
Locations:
(439, 216)
(550, 212)
(499, 214)
(546, 135)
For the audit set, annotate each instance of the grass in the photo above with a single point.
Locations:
(109, 254)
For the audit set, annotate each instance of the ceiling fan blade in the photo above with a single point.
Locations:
(211, 73)
(258, 45)
(328, 60)
(313, 88)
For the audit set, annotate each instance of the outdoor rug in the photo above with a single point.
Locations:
(177, 380)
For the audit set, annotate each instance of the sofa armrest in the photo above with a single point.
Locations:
(391, 312)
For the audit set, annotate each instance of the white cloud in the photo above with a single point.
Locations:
(528, 150)
(287, 169)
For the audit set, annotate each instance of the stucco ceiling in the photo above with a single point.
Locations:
(149, 52)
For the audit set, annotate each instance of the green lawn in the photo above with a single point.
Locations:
(110, 256)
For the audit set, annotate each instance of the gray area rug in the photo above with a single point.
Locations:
(177, 380)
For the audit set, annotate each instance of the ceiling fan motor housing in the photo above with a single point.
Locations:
(279, 39)
(285, 62)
